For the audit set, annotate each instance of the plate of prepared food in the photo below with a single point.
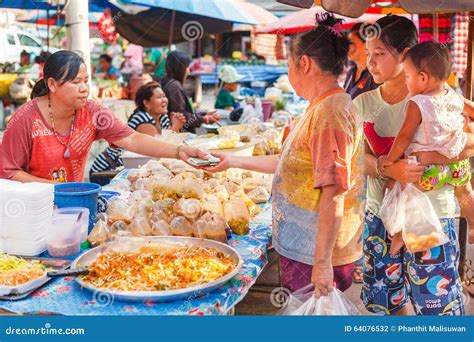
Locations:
(21, 275)
(158, 268)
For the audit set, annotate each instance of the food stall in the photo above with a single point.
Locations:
(247, 244)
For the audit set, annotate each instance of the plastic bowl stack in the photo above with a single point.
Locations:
(25, 212)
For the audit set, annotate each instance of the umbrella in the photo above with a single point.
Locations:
(227, 10)
(42, 17)
(185, 20)
(304, 20)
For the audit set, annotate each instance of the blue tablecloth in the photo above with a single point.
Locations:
(65, 297)
(252, 73)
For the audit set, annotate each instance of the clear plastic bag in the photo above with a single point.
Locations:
(422, 230)
(303, 303)
(161, 228)
(187, 186)
(100, 233)
(140, 227)
(120, 210)
(181, 227)
(189, 208)
(391, 211)
(212, 204)
(237, 216)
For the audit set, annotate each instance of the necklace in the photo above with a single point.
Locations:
(67, 152)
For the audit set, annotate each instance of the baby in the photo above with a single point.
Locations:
(434, 122)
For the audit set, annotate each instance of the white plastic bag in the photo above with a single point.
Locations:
(391, 211)
(303, 303)
(422, 229)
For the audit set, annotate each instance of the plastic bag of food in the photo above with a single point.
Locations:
(187, 186)
(237, 216)
(249, 184)
(199, 228)
(259, 195)
(189, 208)
(120, 210)
(234, 175)
(140, 227)
(118, 227)
(154, 167)
(136, 174)
(181, 227)
(100, 233)
(392, 211)
(422, 229)
(212, 204)
(161, 228)
(252, 207)
(161, 187)
(303, 303)
(120, 185)
(229, 139)
(179, 166)
(231, 187)
(273, 141)
(261, 147)
(216, 228)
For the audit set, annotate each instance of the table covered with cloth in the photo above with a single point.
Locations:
(64, 296)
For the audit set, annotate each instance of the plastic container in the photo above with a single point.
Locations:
(24, 247)
(75, 211)
(83, 195)
(64, 235)
(267, 107)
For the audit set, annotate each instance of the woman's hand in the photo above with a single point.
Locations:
(404, 172)
(211, 117)
(222, 166)
(186, 152)
(177, 121)
(322, 278)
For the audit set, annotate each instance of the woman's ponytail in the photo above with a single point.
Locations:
(40, 89)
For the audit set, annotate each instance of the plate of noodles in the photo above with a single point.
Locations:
(159, 268)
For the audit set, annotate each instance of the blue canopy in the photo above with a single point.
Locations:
(26, 4)
(228, 10)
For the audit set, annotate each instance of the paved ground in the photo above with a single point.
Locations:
(259, 299)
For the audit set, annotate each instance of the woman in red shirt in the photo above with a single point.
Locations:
(49, 137)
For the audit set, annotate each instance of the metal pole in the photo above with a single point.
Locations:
(170, 38)
(435, 28)
(77, 23)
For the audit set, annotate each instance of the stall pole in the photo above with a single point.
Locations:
(77, 23)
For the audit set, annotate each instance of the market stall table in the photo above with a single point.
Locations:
(64, 296)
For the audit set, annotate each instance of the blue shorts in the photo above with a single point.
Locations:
(430, 279)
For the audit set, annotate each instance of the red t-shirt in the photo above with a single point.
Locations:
(29, 143)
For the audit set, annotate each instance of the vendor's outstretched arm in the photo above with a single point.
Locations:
(149, 146)
(264, 164)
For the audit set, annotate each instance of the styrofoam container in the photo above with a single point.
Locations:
(133, 160)
(25, 248)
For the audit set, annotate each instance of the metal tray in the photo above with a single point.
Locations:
(162, 296)
(17, 292)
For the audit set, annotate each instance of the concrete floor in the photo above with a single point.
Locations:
(259, 299)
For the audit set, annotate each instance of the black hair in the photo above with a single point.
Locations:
(356, 29)
(62, 66)
(144, 93)
(44, 55)
(325, 44)
(430, 58)
(176, 64)
(396, 32)
(106, 58)
(24, 53)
